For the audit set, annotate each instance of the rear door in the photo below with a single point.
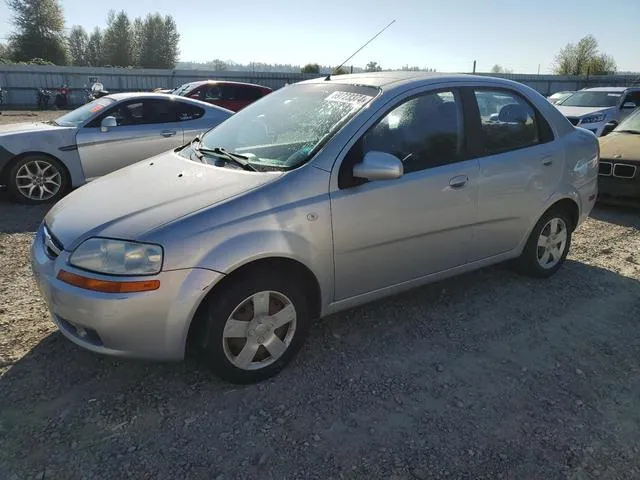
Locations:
(145, 127)
(520, 167)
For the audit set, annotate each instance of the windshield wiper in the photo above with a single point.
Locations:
(626, 130)
(236, 158)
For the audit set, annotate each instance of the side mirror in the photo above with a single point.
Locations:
(629, 105)
(107, 123)
(378, 166)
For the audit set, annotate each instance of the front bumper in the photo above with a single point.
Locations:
(150, 325)
(620, 190)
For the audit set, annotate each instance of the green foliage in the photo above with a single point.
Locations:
(584, 58)
(117, 42)
(340, 71)
(159, 40)
(39, 31)
(373, 67)
(311, 68)
(78, 46)
(94, 54)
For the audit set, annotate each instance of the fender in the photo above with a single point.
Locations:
(238, 251)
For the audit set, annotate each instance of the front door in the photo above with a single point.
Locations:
(520, 168)
(144, 128)
(391, 231)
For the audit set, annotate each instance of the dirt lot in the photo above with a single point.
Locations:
(14, 116)
(490, 375)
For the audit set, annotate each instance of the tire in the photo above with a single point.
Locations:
(532, 261)
(226, 354)
(39, 168)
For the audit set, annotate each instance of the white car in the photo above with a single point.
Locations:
(41, 161)
(600, 109)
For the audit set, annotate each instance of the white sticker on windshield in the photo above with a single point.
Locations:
(614, 94)
(348, 97)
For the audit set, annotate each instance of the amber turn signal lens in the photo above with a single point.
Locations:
(106, 286)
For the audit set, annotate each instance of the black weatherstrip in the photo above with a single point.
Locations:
(68, 148)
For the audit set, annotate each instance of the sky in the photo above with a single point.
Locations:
(445, 35)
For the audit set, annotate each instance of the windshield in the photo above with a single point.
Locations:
(632, 122)
(592, 99)
(77, 117)
(182, 89)
(285, 128)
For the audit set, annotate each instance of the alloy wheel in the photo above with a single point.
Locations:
(38, 180)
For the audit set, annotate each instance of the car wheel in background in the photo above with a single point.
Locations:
(254, 326)
(37, 179)
(547, 246)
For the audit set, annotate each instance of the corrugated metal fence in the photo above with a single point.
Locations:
(20, 82)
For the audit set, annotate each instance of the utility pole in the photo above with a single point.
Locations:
(474, 66)
(538, 69)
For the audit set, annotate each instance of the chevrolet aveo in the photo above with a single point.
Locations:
(321, 196)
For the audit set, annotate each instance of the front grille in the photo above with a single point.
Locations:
(574, 121)
(53, 247)
(605, 169)
(621, 170)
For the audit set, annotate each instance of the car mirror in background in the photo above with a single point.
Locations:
(379, 166)
(108, 123)
(629, 105)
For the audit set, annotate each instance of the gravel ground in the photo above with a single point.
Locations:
(489, 375)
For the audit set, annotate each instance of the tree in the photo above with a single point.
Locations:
(5, 53)
(159, 42)
(311, 68)
(95, 56)
(218, 65)
(340, 71)
(78, 43)
(39, 31)
(583, 58)
(137, 36)
(373, 67)
(117, 42)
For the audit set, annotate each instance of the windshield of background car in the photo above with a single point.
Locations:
(77, 117)
(592, 99)
(182, 89)
(632, 122)
(285, 128)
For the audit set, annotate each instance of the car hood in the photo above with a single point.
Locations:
(620, 146)
(581, 111)
(132, 201)
(26, 127)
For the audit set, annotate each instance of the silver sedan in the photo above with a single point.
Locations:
(318, 197)
(40, 162)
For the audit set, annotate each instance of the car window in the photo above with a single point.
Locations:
(228, 92)
(247, 94)
(212, 93)
(508, 121)
(187, 112)
(141, 112)
(424, 132)
(633, 97)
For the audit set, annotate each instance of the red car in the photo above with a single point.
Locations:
(230, 95)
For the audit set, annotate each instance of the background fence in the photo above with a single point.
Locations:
(20, 82)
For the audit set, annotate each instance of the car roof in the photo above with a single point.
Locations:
(399, 79)
(225, 82)
(133, 95)
(606, 89)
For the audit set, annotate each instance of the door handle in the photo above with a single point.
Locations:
(459, 181)
(168, 133)
(547, 160)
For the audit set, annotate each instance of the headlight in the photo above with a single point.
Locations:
(117, 257)
(594, 118)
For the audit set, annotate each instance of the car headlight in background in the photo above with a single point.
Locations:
(594, 118)
(117, 257)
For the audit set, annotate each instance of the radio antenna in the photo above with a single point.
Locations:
(354, 53)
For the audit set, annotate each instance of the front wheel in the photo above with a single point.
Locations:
(548, 245)
(254, 326)
(37, 179)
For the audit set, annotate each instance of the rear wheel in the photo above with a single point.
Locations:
(254, 326)
(548, 245)
(37, 179)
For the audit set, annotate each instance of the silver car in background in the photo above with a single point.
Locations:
(40, 162)
(321, 196)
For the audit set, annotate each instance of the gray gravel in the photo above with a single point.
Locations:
(490, 375)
